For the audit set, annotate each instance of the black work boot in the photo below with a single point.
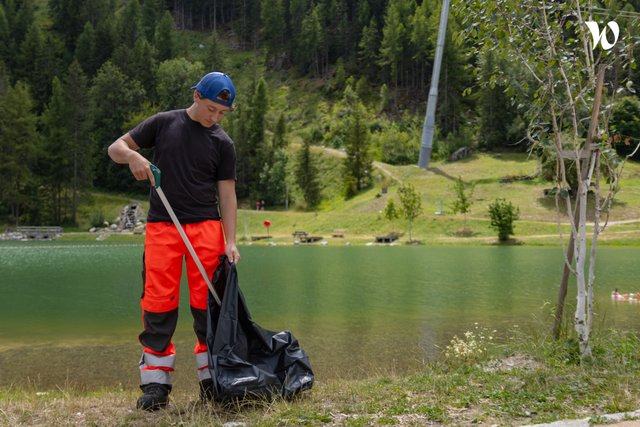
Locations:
(206, 390)
(156, 396)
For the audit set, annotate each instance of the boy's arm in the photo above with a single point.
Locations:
(229, 212)
(124, 150)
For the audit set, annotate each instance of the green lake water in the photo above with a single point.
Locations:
(69, 313)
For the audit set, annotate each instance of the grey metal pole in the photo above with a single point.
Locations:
(430, 119)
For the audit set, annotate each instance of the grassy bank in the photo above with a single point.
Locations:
(476, 381)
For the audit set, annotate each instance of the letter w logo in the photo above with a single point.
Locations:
(600, 37)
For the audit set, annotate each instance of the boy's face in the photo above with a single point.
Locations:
(208, 113)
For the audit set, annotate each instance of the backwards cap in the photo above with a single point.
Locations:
(212, 84)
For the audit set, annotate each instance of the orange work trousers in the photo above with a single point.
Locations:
(164, 254)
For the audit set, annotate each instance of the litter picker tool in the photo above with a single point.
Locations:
(157, 175)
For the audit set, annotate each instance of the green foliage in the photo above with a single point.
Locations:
(164, 38)
(462, 202)
(273, 17)
(18, 150)
(503, 214)
(128, 49)
(217, 59)
(113, 97)
(129, 24)
(397, 147)
(5, 35)
(385, 99)
(358, 164)
(391, 212)
(254, 149)
(307, 179)
(394, 40)
(495, 108)
(312, 45)
(38, 62)
(273, 187)
(97, 219)
(280, 134)
(368, 48)
(411, 204)
(339, 77)
(86, 50)
(625, 125)
(175, 79)
(151, 15)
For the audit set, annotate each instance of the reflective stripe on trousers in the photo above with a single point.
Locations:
(156, 369)
(202, 362)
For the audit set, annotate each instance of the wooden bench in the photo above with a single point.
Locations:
(310, 239)
(299, 234)
(338, 233)
(40, 233)
(388, 238)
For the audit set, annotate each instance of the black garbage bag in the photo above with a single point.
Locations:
(246, 360)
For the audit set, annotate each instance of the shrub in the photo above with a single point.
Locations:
(503, 214)
(97, 219)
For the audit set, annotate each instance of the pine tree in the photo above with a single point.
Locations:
(86, 50)
(272, 14)
(18, 148)
(385, 98)
(273, 180)
(494, 108)
(105, 40)
(217, 59)
(22, 18)
(151, 15)
(393, 42)
(78, 123)
(368, 49)
(236, 126)
(69, 18)
(358, 164)
(422, 38)
(114, 96)
(258, 151)
(56, 163)
(280, 134)
(5, 35)
(39, 60)
(306, 173)
(296, 15)
(310, 54)
(144, 66)
(129, 24)
(4, 79)
(165, 38)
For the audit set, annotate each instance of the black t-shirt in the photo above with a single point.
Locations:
(192, 159)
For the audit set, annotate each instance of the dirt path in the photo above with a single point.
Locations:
(383, 167)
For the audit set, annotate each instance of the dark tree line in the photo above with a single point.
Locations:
(79, 73)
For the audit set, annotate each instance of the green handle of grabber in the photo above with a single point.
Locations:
(156, 174)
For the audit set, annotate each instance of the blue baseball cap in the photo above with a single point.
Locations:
(213, 86)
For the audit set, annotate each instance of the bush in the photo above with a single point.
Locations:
(625, 124)
(397, 147)
(97, 219)
(503, 214)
